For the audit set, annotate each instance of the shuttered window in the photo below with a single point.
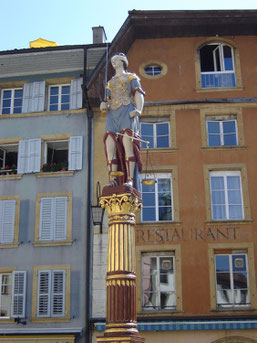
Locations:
(51, 293)
(7, 221)
(13, 294)
(75, 152)
(33, 97)
(29, 156)
(53, 219)
(76, 94)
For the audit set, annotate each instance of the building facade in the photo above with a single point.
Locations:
(196, 236)
(45, 191)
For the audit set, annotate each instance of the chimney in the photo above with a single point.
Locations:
(99, 35)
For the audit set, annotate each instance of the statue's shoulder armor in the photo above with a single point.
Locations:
(132, 76)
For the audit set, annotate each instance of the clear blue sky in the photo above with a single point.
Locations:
(69, 22)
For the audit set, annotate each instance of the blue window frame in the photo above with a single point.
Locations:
(217, 66)
(222, 132)
(11, 101)
(157, 134)
(59, 98)
(226, 195)
(157, 199)
(232, 283)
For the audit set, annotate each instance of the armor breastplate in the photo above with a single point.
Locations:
(120, 92)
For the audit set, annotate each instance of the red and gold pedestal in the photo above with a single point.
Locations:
(121, 203)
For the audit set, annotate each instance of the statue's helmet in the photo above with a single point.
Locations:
(122, 57)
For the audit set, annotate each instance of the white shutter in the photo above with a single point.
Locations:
(43, 296)
(23, 157)
(60, 218)
(27, 97)
(34, 155)
(58, 293)
(38, 102)
(46, 221)
(76, 94)
(7, 220)
(75, 152)
(18, 294)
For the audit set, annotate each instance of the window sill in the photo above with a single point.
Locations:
(52, 243)
(234, 309)
(9, 245)
(227, 147)
(226, 222)
(161, 313)
(43, 113)
(11, 177)
(55, 174)
(6, 320)
(50, 320)
(218, 89)
(158, 150)
(162, 223)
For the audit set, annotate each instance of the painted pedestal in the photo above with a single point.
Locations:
(121, 203)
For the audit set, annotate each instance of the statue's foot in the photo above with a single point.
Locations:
(128, 183)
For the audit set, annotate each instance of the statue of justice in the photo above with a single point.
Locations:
(124, 104)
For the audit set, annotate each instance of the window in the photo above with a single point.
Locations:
(62, 154)
(217, 66)
(51, 293)
(11, 101)
(153, 70)
(156, 133)
(221, 131)
(157, 199)
(59, 98)
(8, 158)
(158, 281)
(232, 281)
(53, 219)
(226, 195)
(12, 296)
(7, 221)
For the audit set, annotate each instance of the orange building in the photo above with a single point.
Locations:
(196, 236)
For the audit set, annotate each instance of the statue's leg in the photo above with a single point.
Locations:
(129, 157)
(111, 156)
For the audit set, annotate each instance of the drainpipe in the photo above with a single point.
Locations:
(89, 252)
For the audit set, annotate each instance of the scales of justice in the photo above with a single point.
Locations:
(124, 101)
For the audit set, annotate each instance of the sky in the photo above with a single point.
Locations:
(70, 22)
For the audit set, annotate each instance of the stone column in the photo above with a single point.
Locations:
(121, 203)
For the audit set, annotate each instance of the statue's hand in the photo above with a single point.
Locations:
(103, 106)
(134, 113)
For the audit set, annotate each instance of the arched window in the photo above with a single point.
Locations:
(217, 66)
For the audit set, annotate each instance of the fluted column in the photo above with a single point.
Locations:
(121, 323)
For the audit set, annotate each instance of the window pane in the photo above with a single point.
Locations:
(17, 102)
(7, 94)
(222, 263)
(148, 199)
(6, 111)
(148, 188)
(229, 126)
(65, 107)
(213, 127)
(65, 98)
(218, 197)
(234, 197)
(162, 129)
(233, 182)
(163, 185)
(240, 280)
(227, 58)
(53, 107)
(18, 93)
(7, 103)
(165, 213)
(223, 280)
(17, 110)
(54, 100)
(219, 212)
(217, 182)
(241, 297)
(206, 58)
(164, 199)
(214, 140)
(163, 142)
(147, 129)
(54, 90)
(66, 90)
(239, 263)
(230, 139)
(235, 212)
(224, 297)
(149, 214)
